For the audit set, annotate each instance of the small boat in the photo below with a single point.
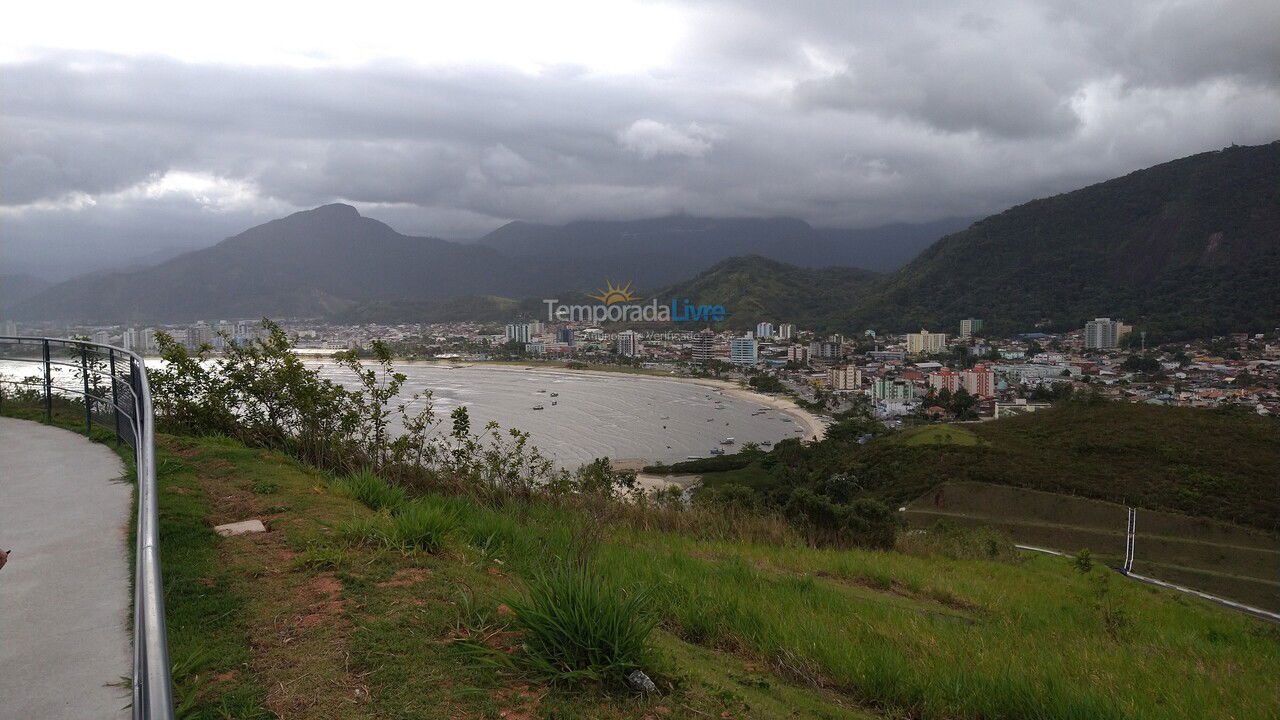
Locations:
(666, 417)
(711, 419)
(555, 394)
(694, 457)
(542, 391)
(766, 443)
(786, 419)
(727, 441)
(539, 407)
(555, 402)
(717, 451)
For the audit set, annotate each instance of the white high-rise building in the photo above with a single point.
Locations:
(130, 339)
(764, 330)
(798, 354)
(969, 326)
(744, 351)
(786, 331)
(628, 343)
(518, 332)
(926, 342)
(1104, 333)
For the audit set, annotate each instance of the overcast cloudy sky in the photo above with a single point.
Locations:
(131, 127)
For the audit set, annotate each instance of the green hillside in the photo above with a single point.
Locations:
(318, 618)
(1217, 464)
(1188, 247)
(754, 288)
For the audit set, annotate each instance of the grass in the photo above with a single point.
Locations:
(859, 632)
(308, 620)
(938, 435)
(369, 489)
(578, 625)
(1236, 562)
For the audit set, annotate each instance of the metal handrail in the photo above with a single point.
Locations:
(125, 370)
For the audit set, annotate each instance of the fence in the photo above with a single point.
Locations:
(112, 384)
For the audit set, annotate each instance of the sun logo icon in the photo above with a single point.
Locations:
(611, 294)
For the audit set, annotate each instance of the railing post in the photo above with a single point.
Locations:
(48, 386)
(84, 375)
(115, 400)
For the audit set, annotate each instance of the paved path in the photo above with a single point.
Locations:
(64, 595)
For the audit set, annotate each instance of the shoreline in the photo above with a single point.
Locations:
(814, 426)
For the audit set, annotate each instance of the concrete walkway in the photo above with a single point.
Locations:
(64, 594)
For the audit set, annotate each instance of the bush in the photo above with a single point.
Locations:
(580, 627)
(1083, 561)
(863, 522)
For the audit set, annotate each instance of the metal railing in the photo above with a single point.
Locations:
(113, 385)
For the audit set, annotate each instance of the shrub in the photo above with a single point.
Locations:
(1083, 561)
(581, 627)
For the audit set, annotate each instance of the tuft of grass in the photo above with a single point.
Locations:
(370, 490)
(367, 529)
(322, 557)
(421, 525)
(579, 626)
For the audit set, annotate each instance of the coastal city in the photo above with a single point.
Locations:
(926, 375)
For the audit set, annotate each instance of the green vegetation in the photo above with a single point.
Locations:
(1216, 464)
(754, 287)
(308, 620)
(578, 625)
(1186, 248)
(740, 625)
(1231, 561)
(936, 435)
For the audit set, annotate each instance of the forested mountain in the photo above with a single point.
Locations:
(680, 245)
(16, 288)
(1189, 247)
(332, 261)
(755, 289)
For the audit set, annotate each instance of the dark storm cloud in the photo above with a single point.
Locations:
(835, 113)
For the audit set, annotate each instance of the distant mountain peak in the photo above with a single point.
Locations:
(333, 210)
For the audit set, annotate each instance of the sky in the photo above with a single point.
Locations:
(132, 130)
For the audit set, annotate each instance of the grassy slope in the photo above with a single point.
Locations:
(299, 623)
(1199, 462)
(328, 629)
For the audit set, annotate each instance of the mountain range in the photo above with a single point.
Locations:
(1188, 247)
(333, 261)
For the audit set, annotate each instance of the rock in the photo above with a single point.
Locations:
(641, 683)
(240, 528)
